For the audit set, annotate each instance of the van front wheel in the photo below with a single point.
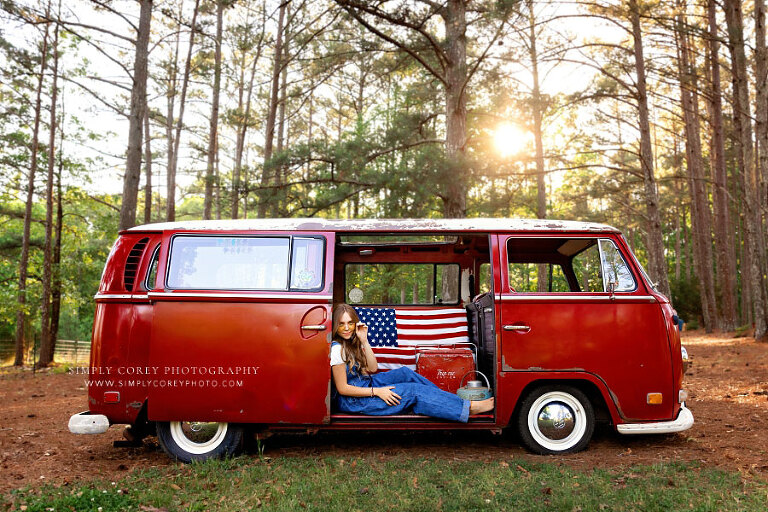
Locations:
(556, 419)
(199, 440)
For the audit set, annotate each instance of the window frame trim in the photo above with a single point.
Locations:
(512, 292)
(626, 264)
(286, 289)
(155, 254)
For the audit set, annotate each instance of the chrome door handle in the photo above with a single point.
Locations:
(523, 328)
(313, 327)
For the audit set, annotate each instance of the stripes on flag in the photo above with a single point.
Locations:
(431, 326)
(396, 333)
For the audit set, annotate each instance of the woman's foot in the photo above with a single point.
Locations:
(481, 406)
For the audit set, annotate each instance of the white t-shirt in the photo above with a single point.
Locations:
(336, 355)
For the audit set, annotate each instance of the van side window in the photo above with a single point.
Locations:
(402, 283)
(151, 280)
(307, 263)
(615, 268)
(586, 266)
(229, 263)
(566, 265)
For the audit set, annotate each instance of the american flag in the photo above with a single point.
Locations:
(396, 333)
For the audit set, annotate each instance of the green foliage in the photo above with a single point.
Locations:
(405, 483)
(89, 231)
(687, 300)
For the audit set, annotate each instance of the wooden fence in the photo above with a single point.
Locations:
(67, 351)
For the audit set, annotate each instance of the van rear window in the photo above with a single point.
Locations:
(245, 263)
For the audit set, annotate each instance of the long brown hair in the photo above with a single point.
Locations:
(352, 349)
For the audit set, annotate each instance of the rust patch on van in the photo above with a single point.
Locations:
(506, 368)
(135, 405)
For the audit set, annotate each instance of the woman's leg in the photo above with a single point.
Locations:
(422, 399)
(399, 376)
(432, 401)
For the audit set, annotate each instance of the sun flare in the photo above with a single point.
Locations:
(509, 139)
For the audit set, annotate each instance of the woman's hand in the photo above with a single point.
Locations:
(362, 332)
(387, 395)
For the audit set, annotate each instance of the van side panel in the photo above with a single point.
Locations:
(243, 362)
(621, 339)
(243, 356)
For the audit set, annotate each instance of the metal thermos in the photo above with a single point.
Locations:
(474, 390)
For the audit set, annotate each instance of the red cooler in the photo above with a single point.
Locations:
(445, 366)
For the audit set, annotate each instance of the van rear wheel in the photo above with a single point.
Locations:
(556, 419)
(199, 440)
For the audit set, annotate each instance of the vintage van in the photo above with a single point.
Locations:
(206, 331)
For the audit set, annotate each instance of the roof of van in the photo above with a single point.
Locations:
(379, 225)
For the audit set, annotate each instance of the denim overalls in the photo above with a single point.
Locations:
(415, 392)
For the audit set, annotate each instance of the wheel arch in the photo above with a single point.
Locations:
(595, 390)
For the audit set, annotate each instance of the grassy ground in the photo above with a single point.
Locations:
(370, 484)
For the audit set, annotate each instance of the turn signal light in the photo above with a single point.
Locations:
(654, 398)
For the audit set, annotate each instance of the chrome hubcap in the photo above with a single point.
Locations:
(556, 421)
(199, 431)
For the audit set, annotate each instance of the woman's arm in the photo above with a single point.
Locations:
(370, 358)
(339, 373)
(372, 366)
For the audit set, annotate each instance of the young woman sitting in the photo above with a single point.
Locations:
(359, 390)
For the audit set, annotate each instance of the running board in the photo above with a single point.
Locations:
(398, 418)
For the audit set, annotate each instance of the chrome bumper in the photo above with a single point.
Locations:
(684, 421)
(87, 423)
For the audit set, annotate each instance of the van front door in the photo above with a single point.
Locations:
(240, 331)
(572, 304)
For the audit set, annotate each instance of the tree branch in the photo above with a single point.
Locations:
(351, 10)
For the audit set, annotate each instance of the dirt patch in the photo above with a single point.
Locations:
(728, 384)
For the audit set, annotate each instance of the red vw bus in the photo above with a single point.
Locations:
(206, 331)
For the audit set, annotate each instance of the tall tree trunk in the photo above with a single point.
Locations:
(724, 248)
(657, 266)
(47, 344)
(21, 314)
(56, 284)
(136, 119)
(700, 214)
(753, 236)
(214, 126)
(170, 213)
(277, 204)
(265, 196)
(170, 100)
(455, 198)
(537, 114)
(147, 170)
(242, 129)
(678, 227)
(761, 172)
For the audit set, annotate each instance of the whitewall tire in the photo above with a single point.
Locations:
(187, 441)
(556, 419)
